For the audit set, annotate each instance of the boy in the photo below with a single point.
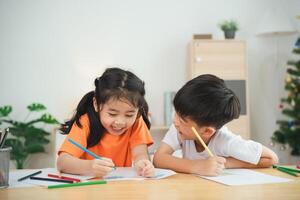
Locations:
(207, 104)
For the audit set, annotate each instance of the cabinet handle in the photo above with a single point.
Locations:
(198, 59)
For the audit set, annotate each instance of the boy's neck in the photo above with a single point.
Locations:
(199, 146)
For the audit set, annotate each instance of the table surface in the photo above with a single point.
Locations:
(179, 186)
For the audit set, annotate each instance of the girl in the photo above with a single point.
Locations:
(112, 123)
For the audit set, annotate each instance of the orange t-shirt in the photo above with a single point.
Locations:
(118, 148)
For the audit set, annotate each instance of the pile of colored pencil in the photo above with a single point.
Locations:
(2, 139)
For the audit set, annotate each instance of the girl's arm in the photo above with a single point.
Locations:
(267, 159)
(211, 167)
(70, 164)
(142, 161)
(140, 152)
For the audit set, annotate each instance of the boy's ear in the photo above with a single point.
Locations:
(208, 131)
(95, 104)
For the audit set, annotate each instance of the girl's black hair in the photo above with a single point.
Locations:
(207, 101)
(114, 83)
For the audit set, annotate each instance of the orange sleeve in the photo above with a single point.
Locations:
(79, 135)
(140, 134)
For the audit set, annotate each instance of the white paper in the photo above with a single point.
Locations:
(15, 175)
(245, 177)
(121, 173)
(129, 173)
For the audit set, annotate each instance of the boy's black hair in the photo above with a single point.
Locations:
(207, 101)
(114, 83)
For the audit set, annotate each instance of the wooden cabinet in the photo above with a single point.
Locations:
(226, 59)
(157, 133)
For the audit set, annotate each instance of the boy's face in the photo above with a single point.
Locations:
(184, 127)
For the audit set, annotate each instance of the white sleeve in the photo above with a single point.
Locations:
(239, 148)
(171, 138)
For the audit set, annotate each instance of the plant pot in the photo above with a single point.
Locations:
(229, 34)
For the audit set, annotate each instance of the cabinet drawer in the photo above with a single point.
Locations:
(224, 59)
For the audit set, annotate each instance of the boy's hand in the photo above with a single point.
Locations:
(144, 168)
(212, 166)
(101, 167)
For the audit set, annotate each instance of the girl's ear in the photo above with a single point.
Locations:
(95, 104)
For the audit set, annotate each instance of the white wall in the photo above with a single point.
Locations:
(51, 51)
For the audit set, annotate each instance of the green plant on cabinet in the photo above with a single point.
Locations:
(229, 27)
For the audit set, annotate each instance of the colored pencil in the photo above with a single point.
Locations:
(76, 184)
(64, 177)
(86, 150)
(28, 176)
(287, 168)
(50, 179)
(4, 138)
(202, 142)
(286, 171)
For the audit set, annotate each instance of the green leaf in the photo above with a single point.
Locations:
(279, 137)
(47, 118)
(36, 107)
(18, 130)
(5, 111)
(18, 150)
(35, 148)
(289, 113)
(38, 140)
(293, 63)
(229, 25)
(293, 72)
(297, 51)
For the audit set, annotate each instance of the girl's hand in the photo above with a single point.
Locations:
(212, 166)
(144, 168)
(101, 167)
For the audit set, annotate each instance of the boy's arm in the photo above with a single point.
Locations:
(267, 159)
(163, 159)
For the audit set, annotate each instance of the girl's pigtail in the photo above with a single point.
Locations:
(96, 128)
(85, 104)
(144, 112)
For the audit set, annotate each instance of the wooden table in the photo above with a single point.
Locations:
(180, 186)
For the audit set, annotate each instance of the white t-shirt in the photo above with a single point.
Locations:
(224, 143)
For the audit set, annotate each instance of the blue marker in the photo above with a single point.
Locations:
(86, 150)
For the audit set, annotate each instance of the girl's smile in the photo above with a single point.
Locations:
(117, 115)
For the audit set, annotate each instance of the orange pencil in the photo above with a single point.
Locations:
(202, 142)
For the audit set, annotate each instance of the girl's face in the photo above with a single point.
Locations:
(117, 116)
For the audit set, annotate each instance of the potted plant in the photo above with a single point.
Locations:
(229, 27)
(27, 136)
